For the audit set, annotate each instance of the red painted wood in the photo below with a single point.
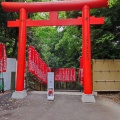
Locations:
(62, 22)
(53, 15)
(53, 6)
(34, 23)
(87, 51)
(21, 51)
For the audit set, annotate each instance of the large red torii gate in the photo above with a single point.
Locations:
(85, 21)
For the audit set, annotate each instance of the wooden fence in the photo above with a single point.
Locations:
(106, 75)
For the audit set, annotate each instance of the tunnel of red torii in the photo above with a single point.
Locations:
(85, 21)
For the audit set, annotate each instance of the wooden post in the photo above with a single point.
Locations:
(86, 50)
(21, 51)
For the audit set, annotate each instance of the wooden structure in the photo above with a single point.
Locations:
(86, 21)
(106, 75)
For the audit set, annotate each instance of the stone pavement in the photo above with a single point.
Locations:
(66, 106)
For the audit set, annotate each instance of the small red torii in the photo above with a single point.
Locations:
(85, 21)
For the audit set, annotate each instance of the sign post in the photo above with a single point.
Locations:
(50, 86)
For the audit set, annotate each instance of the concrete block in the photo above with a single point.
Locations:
(19, 94)
(88, 98)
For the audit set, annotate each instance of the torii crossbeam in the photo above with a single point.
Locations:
(85, 21)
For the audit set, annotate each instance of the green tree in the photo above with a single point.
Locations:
(8, 35)
(105, 38)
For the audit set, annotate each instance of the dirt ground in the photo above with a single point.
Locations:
(113, 96)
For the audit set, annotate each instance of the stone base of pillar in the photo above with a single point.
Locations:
(88, 98)
(19, 94)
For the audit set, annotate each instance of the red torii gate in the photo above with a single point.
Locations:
(85, 21)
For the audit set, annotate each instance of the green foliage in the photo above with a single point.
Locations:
(113, 2)
(68, 47)
(102, 46)
(8, 36)
(105, 38)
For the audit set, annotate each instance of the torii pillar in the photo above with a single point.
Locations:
(86, 56)
(20, 92)
(85, 21)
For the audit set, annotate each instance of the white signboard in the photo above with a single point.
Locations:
(11, 67)
(50, 86)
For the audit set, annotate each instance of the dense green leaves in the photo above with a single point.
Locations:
(113, 2)
(8, 35)
(105, 38)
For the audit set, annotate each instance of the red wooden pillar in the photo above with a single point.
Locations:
(82, 45)
(86, 50)
(21, 50)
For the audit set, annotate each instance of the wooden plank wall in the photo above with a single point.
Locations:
(106, 75)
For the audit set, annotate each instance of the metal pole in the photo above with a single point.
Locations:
(86, 50)
(21, 51)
